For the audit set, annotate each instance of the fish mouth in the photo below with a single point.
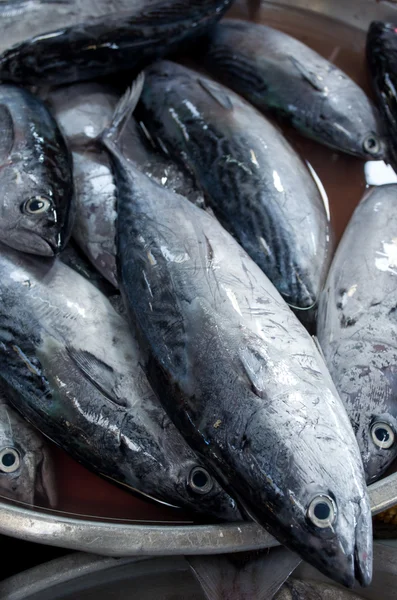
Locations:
(42, 246)
(363, 548)
(347, 570)
(31, 242)
(47, 248)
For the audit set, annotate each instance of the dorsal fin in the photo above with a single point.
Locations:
(216, 93)
(310, 76)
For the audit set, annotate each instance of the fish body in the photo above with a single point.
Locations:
(111, 43)
(238, 374)
(382, 62)
(255, 183)
(295, 589)
(36, 210)
(282, 76)
(71, 367)
(357, 326)
(74, 258)
(26, 469)
(83, 111)
(22, 19)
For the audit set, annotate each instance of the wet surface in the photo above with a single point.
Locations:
(343, 178)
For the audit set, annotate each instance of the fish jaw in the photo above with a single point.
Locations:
(33, 243)
(344, 555)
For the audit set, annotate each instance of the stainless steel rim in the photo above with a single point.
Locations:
(108, 538)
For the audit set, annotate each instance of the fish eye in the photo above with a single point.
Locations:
(9, 460)
(37, 205)
(200, 481)
(382, 435)
(371, 144)
(322, 511)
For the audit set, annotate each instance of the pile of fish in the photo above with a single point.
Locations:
(166, 259)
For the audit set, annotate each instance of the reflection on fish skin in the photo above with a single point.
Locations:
(73, 257)
(357, 326)
(281, 75)
(256, 184)
(82, 111)
(69, 364)
(26, 469)
(238, 374)
(111, 43)
(381, 59)
(36, 207)
(20, 20)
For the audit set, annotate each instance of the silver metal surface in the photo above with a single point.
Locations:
(119, 539)
(115, 539)
(383, 494)
(89, 577)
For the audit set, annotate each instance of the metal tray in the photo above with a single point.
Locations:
(89, 577)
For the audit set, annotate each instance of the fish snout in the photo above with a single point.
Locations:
(363, 556)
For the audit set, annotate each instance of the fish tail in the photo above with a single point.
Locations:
(123, 111)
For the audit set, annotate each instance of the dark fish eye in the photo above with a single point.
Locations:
(371, 144)
(200, 481)
(382, 435)
(9, 460)
(322, 511)
(37, 205)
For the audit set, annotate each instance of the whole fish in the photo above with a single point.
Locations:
(71, 367)
(294, 589)
(284, 77)
(26, 468)
(36, 210)
(111, 43)
(254, 181)
(238, 374)
(82, 111)
(381, 59)
(357, 326)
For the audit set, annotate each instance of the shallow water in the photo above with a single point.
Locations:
(344, 181)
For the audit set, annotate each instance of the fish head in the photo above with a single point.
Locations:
(325, 515)
(202, 488)
(358, 131)
(26, 468)
(382, 39)
(333, 532)
(200, 491)
(313, 496)
(367, 383)
(31, 219)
